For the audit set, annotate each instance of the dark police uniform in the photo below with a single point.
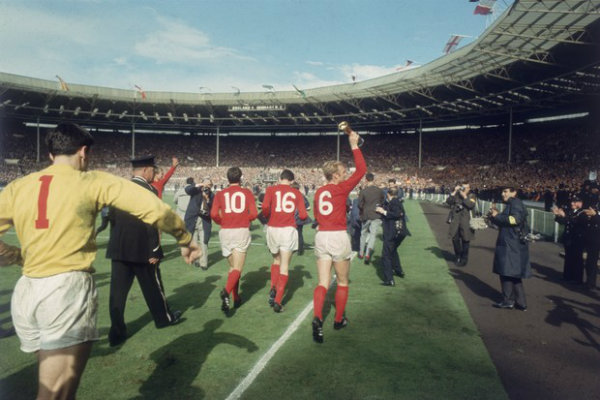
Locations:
(511, 256)
(131, 245)
(392, 238)
(575, 222)
(592, 247)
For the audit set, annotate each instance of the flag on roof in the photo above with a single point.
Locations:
(141, 92)
(300, 92)
(408, 64)
(452, 43)
(485, 7)
(63, 84)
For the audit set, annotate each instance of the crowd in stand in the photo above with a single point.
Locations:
(542, 158)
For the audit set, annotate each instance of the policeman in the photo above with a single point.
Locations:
(575, 222)
(135, 251)
(592, 244)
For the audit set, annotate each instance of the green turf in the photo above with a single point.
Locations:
(413, 341)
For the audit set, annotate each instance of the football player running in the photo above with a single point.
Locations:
(279, 206)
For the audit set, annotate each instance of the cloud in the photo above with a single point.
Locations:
(315, 63)
(176, 42)
(364, 72)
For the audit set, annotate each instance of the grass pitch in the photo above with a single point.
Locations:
(412, 341)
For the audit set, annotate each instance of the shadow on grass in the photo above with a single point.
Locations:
(102, 279)
(476, 285)
(170, 251)
(179, 363)
(296, 281)
(441, 253)
(569, 311)
(20, 385)
(193, 295)
(252, 282)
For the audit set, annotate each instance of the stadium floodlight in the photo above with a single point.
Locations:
(170, 116)
(123, 114)
(156, 116)
(185, 117)
(144, 117)
(318, 117)
(94, 112)
(6, 102)
(108, 113)
(45, 109)
(305, 117)
(61, 109)
(212, 118)
(77, 110)
(199, 116)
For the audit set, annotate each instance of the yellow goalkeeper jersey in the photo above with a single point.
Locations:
(54, 213)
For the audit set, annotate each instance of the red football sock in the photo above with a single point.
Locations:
(236, 291)
(274, 275)
(232, 280)
(318, 301)
(281, 282)
(341, 297)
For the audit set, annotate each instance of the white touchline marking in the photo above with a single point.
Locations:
(260, 365)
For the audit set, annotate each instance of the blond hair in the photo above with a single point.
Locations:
(331, 167)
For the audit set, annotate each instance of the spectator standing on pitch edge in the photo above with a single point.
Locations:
(511, 256)
(234, 209)
(279, 206)
(59, 248)
(575, 222)
(182, 199)
(197, 217)
(161, 179)
(368, 199)
(135, 252)
(332, 243)
(461, 202)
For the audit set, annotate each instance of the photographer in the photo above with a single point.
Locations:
(461, 202)
(197, 217)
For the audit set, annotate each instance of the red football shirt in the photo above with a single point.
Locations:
(330, 200)
(160, 185)
(233, 207)
(280, 203)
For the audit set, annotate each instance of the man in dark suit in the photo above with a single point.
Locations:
(134, 248)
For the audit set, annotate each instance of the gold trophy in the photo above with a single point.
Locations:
(344, 126)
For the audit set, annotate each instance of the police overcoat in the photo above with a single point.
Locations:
(511, 257)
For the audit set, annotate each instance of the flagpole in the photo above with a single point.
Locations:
(218, 131)
(37, 158)
(338, 146)
(420, 141)
(132, 139)
(510, 124)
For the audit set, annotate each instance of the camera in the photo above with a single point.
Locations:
(205, 190)
(461, 188)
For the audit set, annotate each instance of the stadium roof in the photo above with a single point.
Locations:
(538, 57)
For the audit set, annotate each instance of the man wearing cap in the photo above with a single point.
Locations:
(575, 222)
(135, 251)
(511, 257)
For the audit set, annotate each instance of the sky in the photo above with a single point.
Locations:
(211, 46)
